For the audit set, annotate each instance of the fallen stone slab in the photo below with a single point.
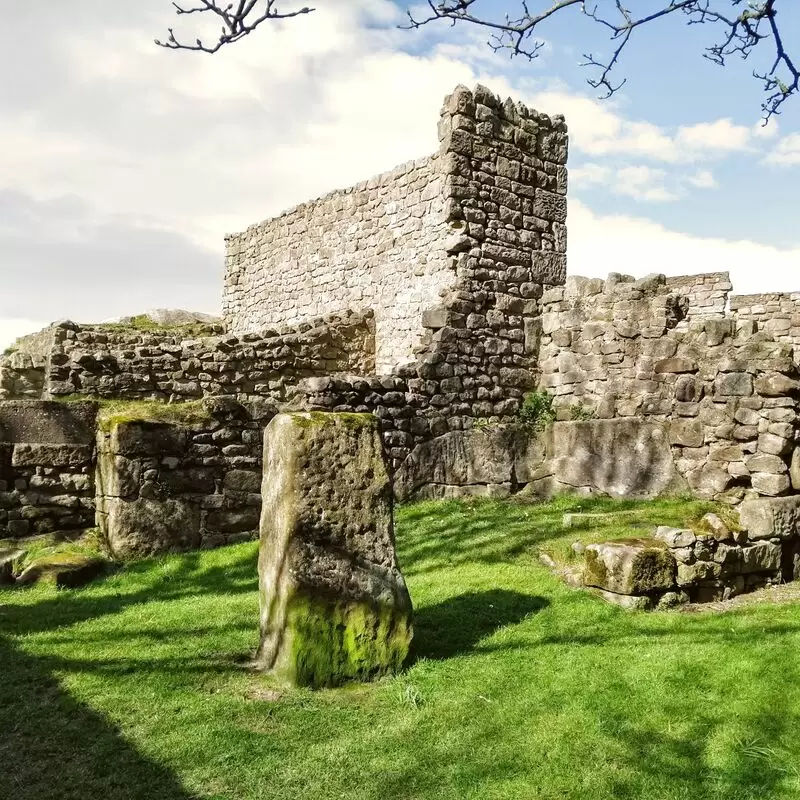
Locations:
(334, 605)
(628, 601)
(65, 570)
(630, 566)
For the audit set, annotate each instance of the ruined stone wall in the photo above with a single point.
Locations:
(777, 313)
(24, 365)
(707, 294)
(175, 486)
(505, 184)
(46, 467)
(378, 245)
(729, 395)
(108, 362)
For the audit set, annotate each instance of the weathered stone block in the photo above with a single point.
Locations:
(145, 527)
(334, 605)
(767, 518)
(619, 457)
(760, 557)
(633, 566)
(733, 384)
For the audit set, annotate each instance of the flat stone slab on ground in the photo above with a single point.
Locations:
(64, 570)
(629, 566)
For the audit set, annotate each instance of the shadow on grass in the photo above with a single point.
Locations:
(57, 748)
(184, 577)
(54, 747)
(456, 625)
(438, 535)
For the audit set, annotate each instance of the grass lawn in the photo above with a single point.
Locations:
(135, 688)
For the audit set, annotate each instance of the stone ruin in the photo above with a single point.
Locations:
(334, 606)
(433, 296)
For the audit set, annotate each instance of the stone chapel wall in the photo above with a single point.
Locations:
(377, 245)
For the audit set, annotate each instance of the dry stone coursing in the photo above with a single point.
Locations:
(104, 362)
(165, 487)
(334, 605)
(729, 395)
(505, 204)
(380, 245)
(716, 562)
(707, 294)
(46, 467)
(776, 313)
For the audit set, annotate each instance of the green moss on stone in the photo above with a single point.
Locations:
(116, 412)
(329, 642)
(350, 419)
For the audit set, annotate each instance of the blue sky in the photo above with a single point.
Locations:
(123, 165)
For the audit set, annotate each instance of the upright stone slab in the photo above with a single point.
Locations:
(334, 605)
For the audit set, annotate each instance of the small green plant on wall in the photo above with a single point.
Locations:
(581, 413)
(537, 410)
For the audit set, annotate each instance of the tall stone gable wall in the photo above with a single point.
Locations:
(378, 245)
(400, 241)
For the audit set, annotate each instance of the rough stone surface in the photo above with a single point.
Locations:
(163, 487)
(621, 458)
(629, 567)
(334, 605)
(770, 518)
(65, 571)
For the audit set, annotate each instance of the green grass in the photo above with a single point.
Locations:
(137, 688)
(143, 323)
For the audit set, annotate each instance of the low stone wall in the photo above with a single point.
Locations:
(729, 394)
(167, 486)
(46, 467)
(120, 363)
(715, 562)
(706, 292)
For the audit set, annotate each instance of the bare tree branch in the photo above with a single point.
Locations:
(743, 28)
(239, 18)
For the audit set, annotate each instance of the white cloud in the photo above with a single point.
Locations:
(598, 129)
(716, 137)
(590, 174)
(702, 179)
(786, 152)
(643, 183)
(603, 243)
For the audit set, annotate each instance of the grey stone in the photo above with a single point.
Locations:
(634, 566)
(627, 601)
(733, 384)
(761, 557)
(699, 571)
(714, 524)
(328, 573)
(770, 484)
(619, 457)
(675, 537)
(146, 527)
(766, 518)
(774, 384)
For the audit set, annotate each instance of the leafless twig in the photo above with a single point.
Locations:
(238, 19)
(744, 26)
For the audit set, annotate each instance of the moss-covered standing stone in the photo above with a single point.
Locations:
(334, 605)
